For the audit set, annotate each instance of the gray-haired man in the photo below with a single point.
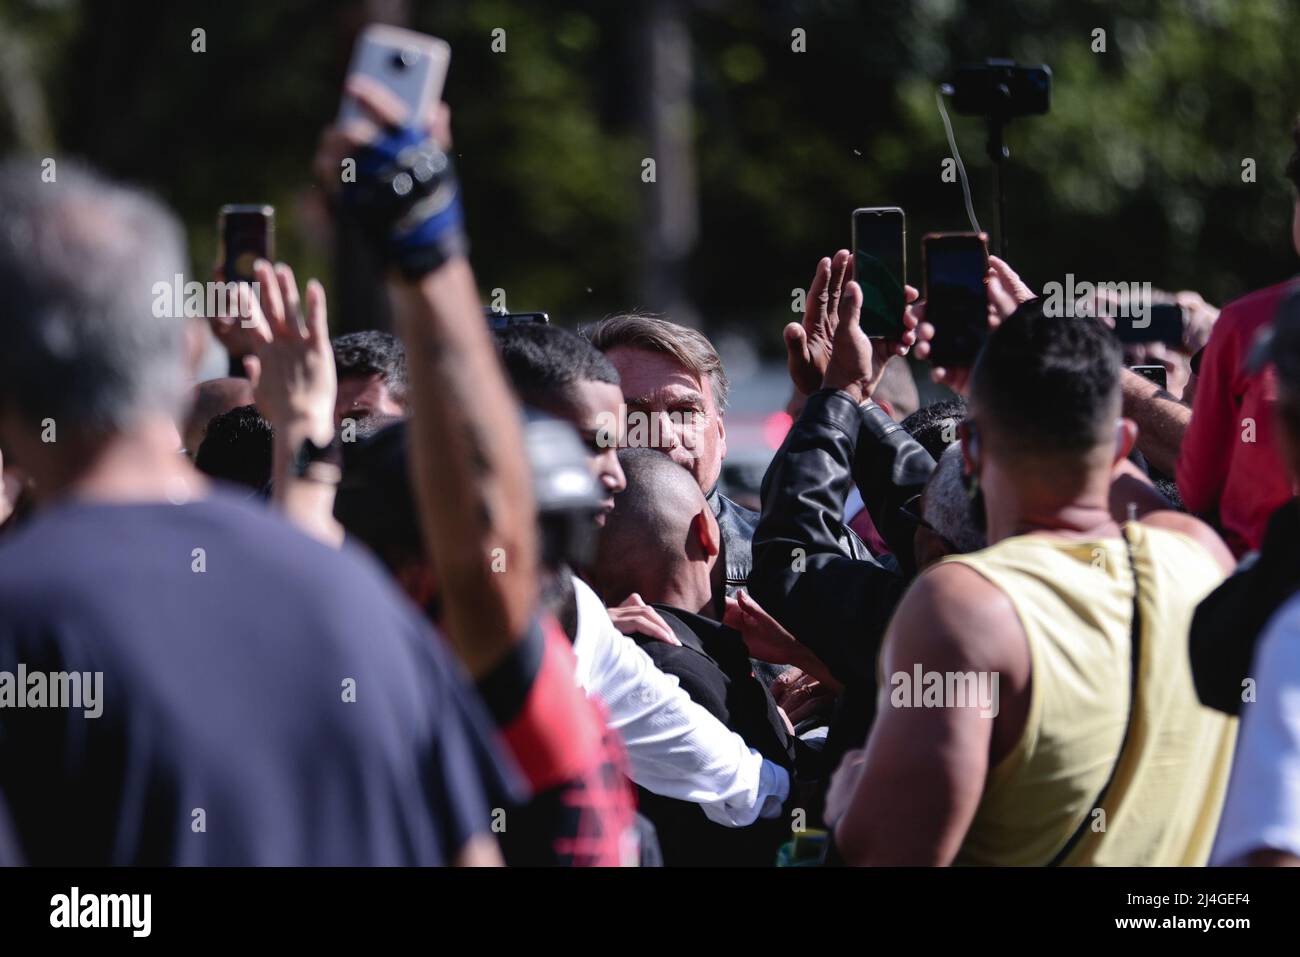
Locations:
(266, 699)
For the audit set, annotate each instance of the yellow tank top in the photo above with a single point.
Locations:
(1075, 603)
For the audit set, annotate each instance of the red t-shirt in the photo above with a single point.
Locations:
(1228, 467)
(583, 810)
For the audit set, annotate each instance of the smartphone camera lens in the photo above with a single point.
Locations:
(404, 58)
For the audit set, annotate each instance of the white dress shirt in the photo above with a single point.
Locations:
(675, 747)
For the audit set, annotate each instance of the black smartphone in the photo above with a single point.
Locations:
(1164, 323)
(880, 268)
(246, 233)
(956, 295)
(1157, 374)
(504, 320)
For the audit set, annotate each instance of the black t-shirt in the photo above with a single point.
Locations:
(713, 667)
(265, 699)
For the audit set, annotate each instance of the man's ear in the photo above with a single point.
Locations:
(704, 528)
(1126, 433)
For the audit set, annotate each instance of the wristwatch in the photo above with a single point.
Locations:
(317, 463)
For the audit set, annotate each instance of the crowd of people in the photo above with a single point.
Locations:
(470, 593)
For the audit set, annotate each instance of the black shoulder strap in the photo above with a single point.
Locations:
(1135, 649)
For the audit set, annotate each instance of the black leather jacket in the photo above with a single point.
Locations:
(737, 525)
(833, 597)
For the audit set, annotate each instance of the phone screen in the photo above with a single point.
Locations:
(879, 266)
(1157, 374)
(956, 298)
(1164, 324)
(247, 233)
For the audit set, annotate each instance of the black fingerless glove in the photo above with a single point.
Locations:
(407, 199)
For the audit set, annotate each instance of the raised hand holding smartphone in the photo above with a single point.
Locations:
(411, 66)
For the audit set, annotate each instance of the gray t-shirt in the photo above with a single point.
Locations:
(264, 699)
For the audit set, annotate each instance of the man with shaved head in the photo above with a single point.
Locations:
(663, 519)
(662, 541)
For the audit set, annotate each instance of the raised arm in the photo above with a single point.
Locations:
(911, 797)
(804, 575)
(890, 469)
(472, 483)
(295, 389)
(472, 480)
(1162, 420)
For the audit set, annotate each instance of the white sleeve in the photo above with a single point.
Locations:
(675, 747)
(1262, 809)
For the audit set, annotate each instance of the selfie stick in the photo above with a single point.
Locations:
(997, 105)
(998, 153)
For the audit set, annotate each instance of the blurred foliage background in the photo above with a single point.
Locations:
(1136, 174)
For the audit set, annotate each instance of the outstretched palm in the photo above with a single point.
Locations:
(809, 344)
(833, 298)
(297, 385)
(857, 363)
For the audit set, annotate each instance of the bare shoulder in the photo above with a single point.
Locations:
(952, 614)
(1196, 530)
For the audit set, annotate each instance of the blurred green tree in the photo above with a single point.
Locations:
(800, 111)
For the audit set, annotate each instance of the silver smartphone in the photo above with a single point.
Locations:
(412, 65)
